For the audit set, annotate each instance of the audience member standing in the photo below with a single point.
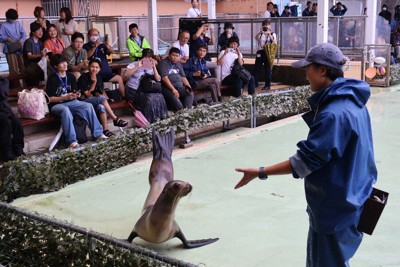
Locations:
(41, 21)
(224, 37)
(286, 12)
(54, 43)
(95, 49)
(200, 38)
(66, 26)
(275, 11)
(338, 9)
(12, 133)
(386, 14)
(136, 43)
(265, 36)
(194, 11)
(12, 31)
(314, 11)
(267, 13)
(307, 11)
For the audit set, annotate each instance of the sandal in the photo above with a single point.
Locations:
(120, 123)
(108, 133)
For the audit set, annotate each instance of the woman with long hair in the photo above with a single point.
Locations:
(66, 25)
(54, 43)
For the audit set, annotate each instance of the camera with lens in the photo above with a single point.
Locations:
(232, 50)
(265, 29)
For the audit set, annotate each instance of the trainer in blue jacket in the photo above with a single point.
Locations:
(336, 160)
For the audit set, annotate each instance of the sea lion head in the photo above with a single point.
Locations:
(177, 188)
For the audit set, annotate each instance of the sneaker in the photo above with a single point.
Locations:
(102, 137)
(73, 145)
(266, 88)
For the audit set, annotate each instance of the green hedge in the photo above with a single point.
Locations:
(53, 171)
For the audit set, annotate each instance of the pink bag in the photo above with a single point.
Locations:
(32, 104)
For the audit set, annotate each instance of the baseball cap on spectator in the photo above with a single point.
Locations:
(35, 27)
(228, 25)
(324, 54)
(233, 39)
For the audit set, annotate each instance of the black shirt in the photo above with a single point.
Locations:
(85, 82)
(59, 86)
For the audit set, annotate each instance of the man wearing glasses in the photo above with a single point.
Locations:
(76, 57)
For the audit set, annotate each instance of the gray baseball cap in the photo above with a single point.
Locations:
(325, 54)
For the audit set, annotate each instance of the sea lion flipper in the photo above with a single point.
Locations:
(132, 236)
(163, 144)
(194, 243)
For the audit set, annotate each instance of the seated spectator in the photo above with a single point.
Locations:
(33, 52)
(338, 9)
(200, 38)
(307, 12)
(91, 86)
(63, 93)
(41, 21)
(152, 105)
(136, 43)
(66, 26)
(12, 133)
(286, 12)
(76, 56)
(194, 11)
(226, 59)
(176, 88)
(95, 49)
(224, 37)
(12, 31)
(54, 44)
(182, 45)
(199, 76)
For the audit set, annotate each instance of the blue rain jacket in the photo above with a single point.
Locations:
(337, 159)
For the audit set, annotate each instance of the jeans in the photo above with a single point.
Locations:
(97, 102)
(67, 110)
(236, 84)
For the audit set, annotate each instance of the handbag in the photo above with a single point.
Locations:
(14, 47)
(32, 104)
(148, 84)
(240, 72)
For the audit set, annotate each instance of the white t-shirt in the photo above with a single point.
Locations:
(184, 50)
(71, 26)
(267, 14)
(228, 62)
(265, 39)
(193, 13)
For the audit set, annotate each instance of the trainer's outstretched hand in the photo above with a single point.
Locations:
(248, 175)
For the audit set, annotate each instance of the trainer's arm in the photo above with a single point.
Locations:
(250, 173)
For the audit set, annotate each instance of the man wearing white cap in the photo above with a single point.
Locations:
(336, 160)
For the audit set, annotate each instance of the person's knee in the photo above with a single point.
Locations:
(101, 108)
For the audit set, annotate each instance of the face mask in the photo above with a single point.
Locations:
(384, 9)
(229, 31)
(94, 38)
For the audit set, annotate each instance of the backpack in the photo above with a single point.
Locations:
(80, 129)
(240, 72)
(149, 85)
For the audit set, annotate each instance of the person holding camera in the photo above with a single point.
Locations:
(226, 60)
(63, 94)
(263, 37)
(91, 86)
(96, 49)
(338, 9)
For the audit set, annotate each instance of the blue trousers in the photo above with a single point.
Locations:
(97, 102)
(67, 110)
(332, 250)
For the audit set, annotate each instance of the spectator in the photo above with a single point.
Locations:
(226, 59)
(307, 12)
(76, 56)
(54, 44)
(95, 49)
(39, 14)
(136, 43)
(286, 12)
(267, 13)
(294, 5)
(66, 26)
(182, 45)
(386, 14)
(199, 75)
(12, 133)
(224, 37)
(338, 9)
(275, 11)
(63, 93)
(176, 88)
(12, 31)
(91, 86)
(347, 34)
(194, 11)
(152, 105)
(314, 11)
(33, 52)
(336, 160)
(265, 36)
(200, 38)
(396, 44)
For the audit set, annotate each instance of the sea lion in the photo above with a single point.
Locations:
(157, 223)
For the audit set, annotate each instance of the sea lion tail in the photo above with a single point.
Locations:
(163, 144)
(194, 243)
